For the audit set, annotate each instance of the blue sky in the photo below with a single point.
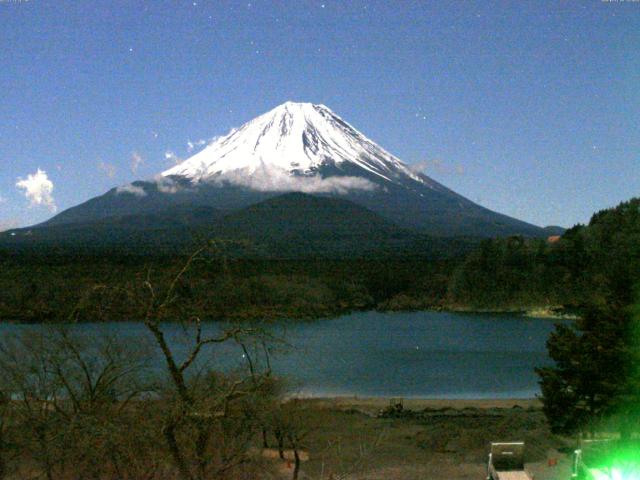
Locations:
(530, 108)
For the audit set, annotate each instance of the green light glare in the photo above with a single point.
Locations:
(614, 462)
(614, 474)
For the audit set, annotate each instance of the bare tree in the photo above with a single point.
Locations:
(291, 424)
(68, 394)
(205, 405)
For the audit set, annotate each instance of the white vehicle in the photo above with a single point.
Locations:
(506, 462)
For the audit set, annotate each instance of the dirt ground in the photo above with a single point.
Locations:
(347, 438)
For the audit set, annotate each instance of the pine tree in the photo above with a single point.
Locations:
(596, 376)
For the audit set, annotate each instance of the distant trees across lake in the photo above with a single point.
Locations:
(588, 263)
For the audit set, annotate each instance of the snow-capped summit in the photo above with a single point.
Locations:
(287, 144)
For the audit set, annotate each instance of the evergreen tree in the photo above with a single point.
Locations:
(596, 376)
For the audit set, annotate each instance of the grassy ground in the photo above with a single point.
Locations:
(428, 439)
(364, 439)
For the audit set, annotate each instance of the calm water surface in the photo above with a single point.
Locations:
(417, 354)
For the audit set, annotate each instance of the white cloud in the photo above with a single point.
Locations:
(2, 199)
(279, 180)
(136, 162)
(131, 189)
(191, 146)
(429, 165)
(166, 184)
(108, 169)
(436, 165)
(172, 157)
(38, 189)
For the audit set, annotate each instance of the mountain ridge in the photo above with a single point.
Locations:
(290, 225)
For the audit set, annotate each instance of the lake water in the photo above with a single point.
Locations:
(417, 354)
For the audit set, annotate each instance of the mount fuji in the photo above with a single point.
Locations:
(290, 148)
(297, 147)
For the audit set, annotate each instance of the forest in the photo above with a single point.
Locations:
(588, 262)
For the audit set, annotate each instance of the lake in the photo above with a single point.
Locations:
(415, 354)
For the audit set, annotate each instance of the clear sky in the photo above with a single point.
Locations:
(531, 108)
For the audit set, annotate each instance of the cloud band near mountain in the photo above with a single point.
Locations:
(277, 180)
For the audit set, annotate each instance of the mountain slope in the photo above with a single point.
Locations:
(301, 147)
(298, 224)
(291, 225)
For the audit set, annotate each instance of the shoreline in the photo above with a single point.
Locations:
(375, 404)
(537, 313)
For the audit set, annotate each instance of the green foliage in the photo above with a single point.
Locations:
(506, 273)
(596, 376)
(589, 264)
(589, 371)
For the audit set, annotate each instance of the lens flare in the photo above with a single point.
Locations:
(614, 474)
(608, 461)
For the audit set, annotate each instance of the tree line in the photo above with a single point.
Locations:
(588, 262)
